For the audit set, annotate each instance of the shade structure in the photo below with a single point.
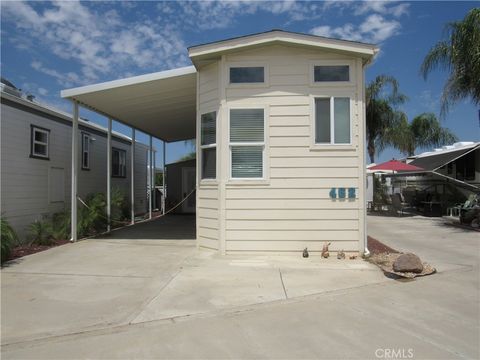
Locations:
(161, 104)
(395, 165)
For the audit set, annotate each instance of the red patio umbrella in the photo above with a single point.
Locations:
(395, 165)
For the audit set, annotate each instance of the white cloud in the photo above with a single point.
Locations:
(99, 42)
(382, 7)
(206, 15)
(380, 24)
(42, 91)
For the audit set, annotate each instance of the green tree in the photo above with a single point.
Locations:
(190, 156)
(459, 53)
(382, 96)
(423, 131)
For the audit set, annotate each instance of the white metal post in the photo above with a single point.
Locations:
(154, 180)
(109, 173)
(132, 176)
(150, 194)
(164, 193)
(74, 172)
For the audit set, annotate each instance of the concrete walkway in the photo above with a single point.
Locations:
(159, 297)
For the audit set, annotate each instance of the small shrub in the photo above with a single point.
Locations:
(8, 239)
(92, 218)
(40, 232)
(119, 205)
(61, 225)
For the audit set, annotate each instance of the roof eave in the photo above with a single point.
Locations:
(211, 50)
(71, 93)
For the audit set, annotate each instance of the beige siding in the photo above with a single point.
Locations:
(207, 213)
(293, 210)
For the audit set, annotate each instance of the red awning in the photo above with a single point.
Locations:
(395, 165)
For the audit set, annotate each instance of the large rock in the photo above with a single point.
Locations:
(408, 263)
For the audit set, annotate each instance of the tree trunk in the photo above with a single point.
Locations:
(371, 151)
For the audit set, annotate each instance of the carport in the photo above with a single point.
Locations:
(161, 104)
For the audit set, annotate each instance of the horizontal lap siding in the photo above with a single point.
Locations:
(293, 210)
(207, 198)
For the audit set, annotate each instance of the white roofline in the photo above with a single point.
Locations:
(445, 151)
(267, 37)
(71, 93)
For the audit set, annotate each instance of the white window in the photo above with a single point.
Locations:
(208, 145)
(39, 142)
(85, 151)
(327, 73)
(332, 120)
(247, 74)
(119, 163)
(247, 143)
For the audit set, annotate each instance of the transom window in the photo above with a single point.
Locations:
(39, 142)
(85, 151)
(247, 74)
(324, 73)
(247, 143)
(208, 145)
(119, 163)
(332, 120)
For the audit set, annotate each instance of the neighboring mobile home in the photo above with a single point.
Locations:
(280, 129)
(36, 158)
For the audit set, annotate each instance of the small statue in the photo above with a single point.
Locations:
(341, 255)
(305, 253)
(325, 253)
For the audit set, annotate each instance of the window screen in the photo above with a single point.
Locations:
(322, 120)
(336, 119)
(119, 163)
(208, 137)
(85, 151)
(342, 120)
(239, 75)
(247, 142)
(40, 142)
(331, 73)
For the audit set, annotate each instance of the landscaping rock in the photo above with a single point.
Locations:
(408, 263)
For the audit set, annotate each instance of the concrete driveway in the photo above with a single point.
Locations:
(160, 297)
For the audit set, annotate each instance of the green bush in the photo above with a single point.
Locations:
(8, 239)
(61, 225)
(40, 232)
(119, 205)
(92, 218)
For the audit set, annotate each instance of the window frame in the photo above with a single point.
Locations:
(332, 62)
(266, 74)
(33, 130)
(209, 146)
(331, 145)
(120, 151)
(265, 144)
(89, 137)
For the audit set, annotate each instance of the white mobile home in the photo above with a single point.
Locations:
(36, 160)
(280, 128)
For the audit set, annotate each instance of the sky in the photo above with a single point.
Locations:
(50, 46)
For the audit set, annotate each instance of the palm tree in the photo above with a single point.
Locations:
(382, 95)
(460, 54)
(424, 131)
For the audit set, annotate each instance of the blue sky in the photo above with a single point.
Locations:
(49, 46)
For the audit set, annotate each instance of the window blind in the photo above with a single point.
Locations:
(208, 129)
(247, 161)
(246, 125)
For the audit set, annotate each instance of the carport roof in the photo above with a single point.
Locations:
(162, 104)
